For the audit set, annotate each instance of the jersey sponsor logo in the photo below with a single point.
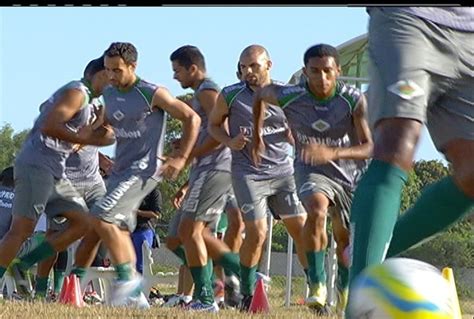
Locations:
(5, 204)
(320, 125)
(321, 108)
(293, 89)
(406, 89)
(110, 200)
(120, 99)
(338, 142)
(7, 195)
(118, 115)
(247, 131)
(123, 133)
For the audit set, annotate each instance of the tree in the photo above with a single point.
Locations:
(169, 188)
(453, 247)
(10, 144)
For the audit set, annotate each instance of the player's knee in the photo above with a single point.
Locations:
(256, 235)
(236, 226)
(317, 215)
(398, 149)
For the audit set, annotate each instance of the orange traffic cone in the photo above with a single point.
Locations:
(72, 293)
(75, 296)
(259, 301)
(64, 290)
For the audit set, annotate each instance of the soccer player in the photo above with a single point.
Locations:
(270, 184)
(333, 141)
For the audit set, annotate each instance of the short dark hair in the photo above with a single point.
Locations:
(188, 55)
(93, 67)
(321, 50)
(7, 177)
(125, 50)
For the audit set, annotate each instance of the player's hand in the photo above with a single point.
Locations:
(258, 149)
(316, 154)
(179, 196)
(85, 133)
(77, 147)
(238, 142)
(105, 164)
(99, 112)
(172, 167)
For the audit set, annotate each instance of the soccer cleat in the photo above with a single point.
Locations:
(198, 306)
(342, 298)
(219, 291)
(92, 298)
(171, 301)
(139, 302)
(22, 279)
(245, 303)
(317, 296)
(126, 289)
(232, 296)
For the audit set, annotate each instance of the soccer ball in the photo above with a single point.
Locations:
(400, 288)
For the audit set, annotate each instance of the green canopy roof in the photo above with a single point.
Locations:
(353, 57)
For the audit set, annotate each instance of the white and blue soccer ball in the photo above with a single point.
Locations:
(400, 288)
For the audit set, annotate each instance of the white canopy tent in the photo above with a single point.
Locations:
(353, 57)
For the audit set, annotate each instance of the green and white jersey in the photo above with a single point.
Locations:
(326, 122)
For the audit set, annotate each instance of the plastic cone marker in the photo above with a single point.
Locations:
(448, 275)
(259, 302)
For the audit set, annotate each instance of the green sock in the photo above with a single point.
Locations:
(231, 263)
(248, 278)
(342, 276)
(42, 251)
(2, 271)
(59, 279)
(374, 211)
(181, 254)
(202, 283)
(124, 271)
(440, 205)
(316, 271)
(80, 272)
(41, 286)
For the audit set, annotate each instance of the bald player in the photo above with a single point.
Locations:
(257, 187)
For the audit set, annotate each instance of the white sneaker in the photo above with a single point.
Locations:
(172, 301)
(123, 289)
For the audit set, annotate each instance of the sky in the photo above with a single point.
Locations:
(42, 48)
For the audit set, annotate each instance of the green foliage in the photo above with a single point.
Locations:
(10, 144)
(279, 238)
(453, 248)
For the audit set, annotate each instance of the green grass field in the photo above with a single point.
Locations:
(276, 294)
